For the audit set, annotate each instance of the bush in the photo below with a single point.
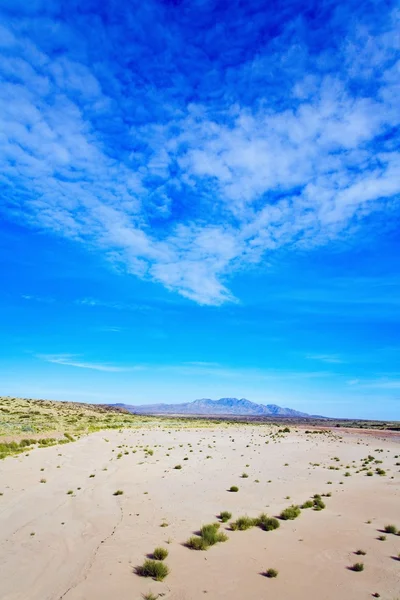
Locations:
(267, 523)
(271, 573)
(243, 523)
(233, 488)
(225, 516)
(153, 568)
(391, 529)
(308, 504)
(319, 504)
(160, 553)
(178, 467)
(196, 543)
(244, 476)
(360, 552)
(209, 536)
(357, 567)
(290, 513)
(118, 493)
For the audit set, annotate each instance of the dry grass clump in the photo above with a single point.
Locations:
(153, 568)
(208, 536)
(290, 513)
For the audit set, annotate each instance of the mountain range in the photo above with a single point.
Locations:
(223, 406)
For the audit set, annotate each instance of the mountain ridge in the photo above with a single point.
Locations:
(223, 406)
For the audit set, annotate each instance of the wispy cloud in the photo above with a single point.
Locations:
(204, 171)
(73, 360)
(326, 358)
(187, 368)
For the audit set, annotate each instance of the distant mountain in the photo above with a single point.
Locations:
(223, 406)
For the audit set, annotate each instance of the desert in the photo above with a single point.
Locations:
(78, 519)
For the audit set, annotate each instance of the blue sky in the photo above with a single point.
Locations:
(201, 199)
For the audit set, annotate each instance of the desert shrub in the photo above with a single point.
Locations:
(70, 492)
(244, 476)
(357, 567)
(209, 536)
(267, 523)
(178, 467)
(360, 552)
(382, 538)
(290, 513)
(243, 523)
(149, 596)
(390, 529)
(196, 543)
(271, 573)
(319, 504)
(153, 568)
(233, 488)
(225, 516)
(160, 553)
(307, 504)
(118, 493)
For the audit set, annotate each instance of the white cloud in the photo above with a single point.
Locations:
(326, 358)
(72, 360)
(268, 177)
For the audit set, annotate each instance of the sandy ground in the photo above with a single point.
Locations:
(85, 545)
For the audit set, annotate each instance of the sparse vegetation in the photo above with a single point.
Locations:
(390, 529)
(153, 568)
(233, 488)
(225, 516)
(267, 523)
(358, 567)
(290, 513)
(208, 536)
(118, 493)
(243, 523)
(271, 573)
(160, 553)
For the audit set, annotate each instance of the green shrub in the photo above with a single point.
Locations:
(360, 552)
(357, 567)
(225, 516)
(267, 523)
(390, 529)
(319, 504)
(307, 504)
(118, 493)
(271, 573)
(209, 536)
(244, 476)
(382, 538)
(196, 543)
(178, 467)
(290, 513)
(153, 568)
(243, 523)
(160, 553)
(149, 596)
(233, 488)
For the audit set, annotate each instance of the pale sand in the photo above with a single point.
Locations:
(93, 554)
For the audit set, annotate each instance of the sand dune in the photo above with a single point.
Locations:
(86, 545)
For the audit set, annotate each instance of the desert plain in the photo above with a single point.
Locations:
(65, 532)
